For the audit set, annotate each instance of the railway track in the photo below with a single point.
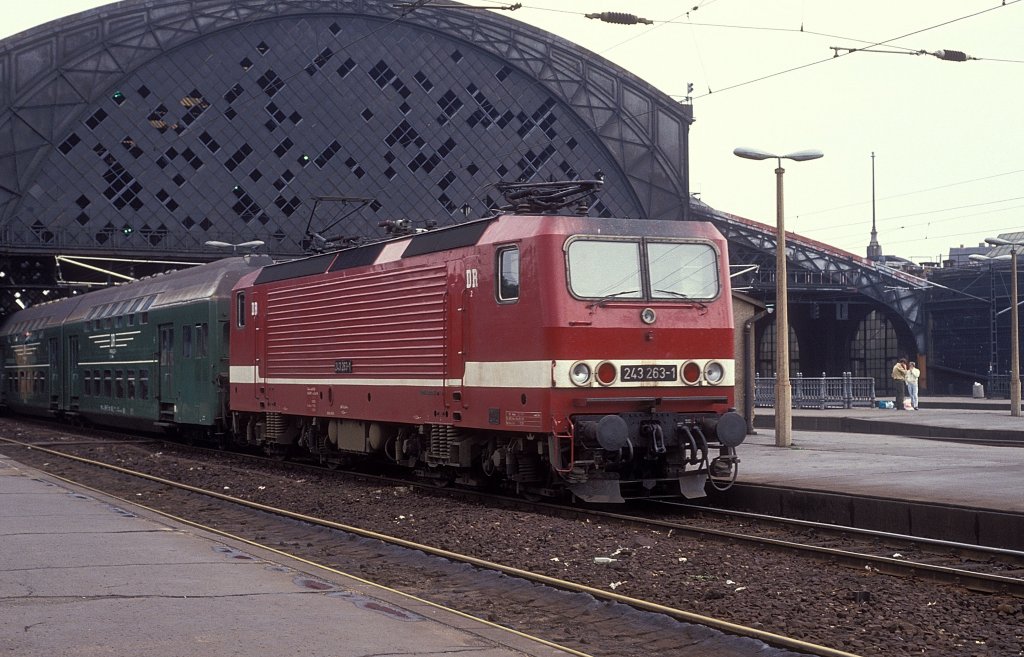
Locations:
(604, 631)
(977, 568)
(614, 557)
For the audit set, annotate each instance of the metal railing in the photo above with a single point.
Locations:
(846, 391)
(998, 386)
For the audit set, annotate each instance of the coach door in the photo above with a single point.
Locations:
(53, 373)
(165, 379)
(72, 390)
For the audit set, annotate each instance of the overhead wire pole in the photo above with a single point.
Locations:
(1015, 388)
(1014, 341)
(1014, 325)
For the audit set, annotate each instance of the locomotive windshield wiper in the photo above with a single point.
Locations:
(680, 295)
(609, 297)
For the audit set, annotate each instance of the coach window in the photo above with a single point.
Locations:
(186, 341)
(108, 388)
(119, 384)
(166, 345)
(202, 339)
(87, 383)
(143, 384)
(130, 379)
(240, 309)
(508, 274)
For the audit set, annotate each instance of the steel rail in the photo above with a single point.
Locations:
(769, 638)
(983, 582)
(846, 529)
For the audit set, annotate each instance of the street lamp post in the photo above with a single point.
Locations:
(783, 389)
(1014, 324)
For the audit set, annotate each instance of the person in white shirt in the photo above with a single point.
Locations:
(911, 377)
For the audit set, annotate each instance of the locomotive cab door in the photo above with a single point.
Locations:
(246, 349)
(258, 330)
(460, 320)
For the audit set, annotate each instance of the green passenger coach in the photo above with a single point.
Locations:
(150, 354)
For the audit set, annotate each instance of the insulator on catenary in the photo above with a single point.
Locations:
(620, 18)
(952, 55)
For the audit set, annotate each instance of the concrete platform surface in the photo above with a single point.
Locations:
(891, 466)
(941, 417)
(82, 576)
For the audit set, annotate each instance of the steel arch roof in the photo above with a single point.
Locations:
(152, 126)
(819, 268)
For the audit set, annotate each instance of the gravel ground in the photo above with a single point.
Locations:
(759, 588)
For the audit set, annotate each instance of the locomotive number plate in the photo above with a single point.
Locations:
(649, 373)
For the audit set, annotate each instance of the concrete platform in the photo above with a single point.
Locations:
(893, 454)
(942, 417)
(81, 576)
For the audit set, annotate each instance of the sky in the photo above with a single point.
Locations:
(947, 135)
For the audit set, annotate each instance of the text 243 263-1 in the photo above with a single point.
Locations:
(649, 372)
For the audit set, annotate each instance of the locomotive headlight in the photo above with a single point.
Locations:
(580, 374)
(714, 373)
(690, 373)
(648, 316)
(606, 373)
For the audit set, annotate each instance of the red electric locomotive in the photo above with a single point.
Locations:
(536, 353)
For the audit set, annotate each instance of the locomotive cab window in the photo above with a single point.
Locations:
(640, 268)
(682, 270)
(600, 269)
(508, 274)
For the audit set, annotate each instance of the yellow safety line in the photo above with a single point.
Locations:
(725, 626)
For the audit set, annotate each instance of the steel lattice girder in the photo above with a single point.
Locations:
(816, 267)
